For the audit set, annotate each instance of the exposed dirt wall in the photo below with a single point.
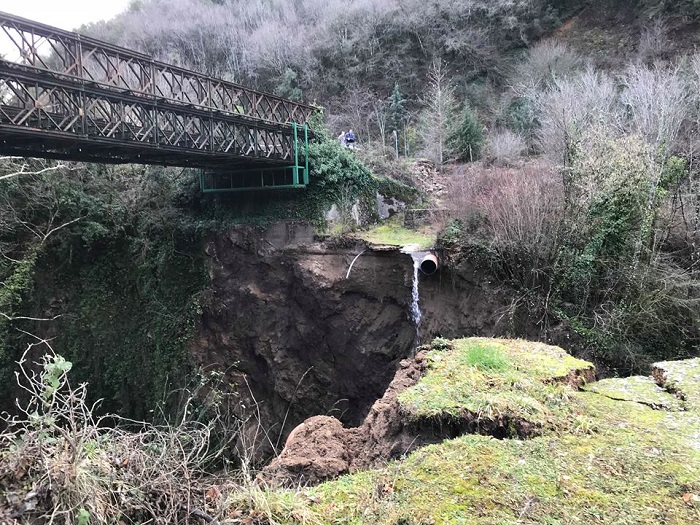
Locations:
(297, 337)
(289, 329)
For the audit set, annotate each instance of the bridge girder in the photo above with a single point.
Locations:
(68, 96)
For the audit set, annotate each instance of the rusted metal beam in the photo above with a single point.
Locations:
(67, 96)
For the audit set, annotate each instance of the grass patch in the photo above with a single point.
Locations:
(484, 357)
(631, 470)
(395, 235)
(489, 380)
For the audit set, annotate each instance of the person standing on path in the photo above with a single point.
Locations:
(350, 139)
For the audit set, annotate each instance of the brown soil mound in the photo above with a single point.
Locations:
(320, 448)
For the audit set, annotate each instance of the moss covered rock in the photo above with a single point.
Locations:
(518, 386)
(618, 452)
(638, 389)
(681, 378)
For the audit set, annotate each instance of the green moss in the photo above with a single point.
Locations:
(395, 235)
(17, 280)
(491, 380)
(612, 462)
(638, 389)
(682, 377)
(132, 320)
(624, 477)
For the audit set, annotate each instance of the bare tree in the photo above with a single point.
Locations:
(40, 210)
(437, 118)
(381, 116)
(654, 41)
(358, 106)
(656, 99)
(571, 107)
(16, 166)
(504, 147)
(546, 62)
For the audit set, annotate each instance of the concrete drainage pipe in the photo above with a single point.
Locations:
(429, 264)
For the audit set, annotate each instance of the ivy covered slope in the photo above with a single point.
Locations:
(115, 261)
(115, 256)
(338, 178)
(587, 457)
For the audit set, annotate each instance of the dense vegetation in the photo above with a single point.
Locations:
(602, 229)
(111, 260)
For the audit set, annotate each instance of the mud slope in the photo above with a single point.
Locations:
(299, 339)
(289, 328)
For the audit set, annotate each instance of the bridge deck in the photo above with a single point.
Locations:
(63, 95)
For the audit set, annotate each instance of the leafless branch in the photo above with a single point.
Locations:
(18, 318)
(24, 171)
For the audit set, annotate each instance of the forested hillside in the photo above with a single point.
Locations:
(601, 231)
(551, 151)
(349, 55)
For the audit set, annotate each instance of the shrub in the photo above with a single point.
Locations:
(514, 212)
(504, 148)
(58, 458)
(544, 64)
(654, 41)
(611, 274)
(339, 177)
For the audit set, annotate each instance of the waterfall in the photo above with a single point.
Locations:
(415, 296)
(415, 307)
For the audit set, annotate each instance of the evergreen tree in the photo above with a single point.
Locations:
(468, 137)
(288, 86)
(397, 110)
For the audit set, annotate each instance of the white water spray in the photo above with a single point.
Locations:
(415, 297)
(417, 257)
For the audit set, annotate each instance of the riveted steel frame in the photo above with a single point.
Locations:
(50, 116)
(89, 60)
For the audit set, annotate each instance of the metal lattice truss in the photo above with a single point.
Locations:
(67, 96)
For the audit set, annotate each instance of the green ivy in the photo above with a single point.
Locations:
(15, 287)
(134, 309)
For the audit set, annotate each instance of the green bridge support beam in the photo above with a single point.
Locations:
(270, 178)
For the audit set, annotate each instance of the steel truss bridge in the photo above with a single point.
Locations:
(67, 96)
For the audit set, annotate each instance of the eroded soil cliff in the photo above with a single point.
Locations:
(298, 337)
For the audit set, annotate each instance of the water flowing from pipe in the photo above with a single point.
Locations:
(415, 297)
(416, 314)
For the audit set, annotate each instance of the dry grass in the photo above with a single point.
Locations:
(62, 463)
